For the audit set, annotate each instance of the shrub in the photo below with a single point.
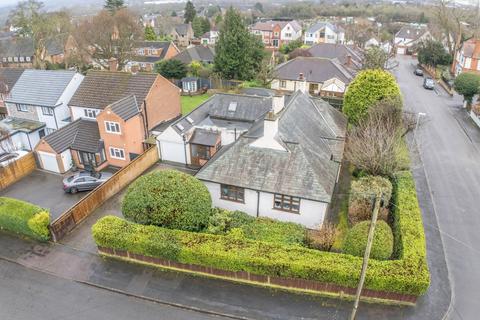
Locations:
(24, 218)
(221, 221)
(324, 238)
(407, 275)
(356, 240)
(168, 198)
(361, 210)
(365, 189)
(269, 230)
(468, 85)
(368, 87)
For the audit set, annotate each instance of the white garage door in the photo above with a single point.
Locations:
(400, 50)
(172, 151)
(49, 161)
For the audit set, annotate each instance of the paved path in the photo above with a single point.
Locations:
(449, 145)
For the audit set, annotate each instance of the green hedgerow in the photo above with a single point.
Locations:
(356, 240)
(168, 198)
(269, 230)
(221, 220)
(39, 225)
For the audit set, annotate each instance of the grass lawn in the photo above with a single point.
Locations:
(190, 103)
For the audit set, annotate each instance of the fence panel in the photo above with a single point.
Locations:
(17, 170)
(82, 209)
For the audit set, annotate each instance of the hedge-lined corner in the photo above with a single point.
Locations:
(24, 218)
(408, 275)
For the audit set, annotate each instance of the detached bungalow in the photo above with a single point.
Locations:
(286, 168)
(114, 114)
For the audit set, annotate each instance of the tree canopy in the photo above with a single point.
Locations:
(114, 5)
(468, 85)
(200, 25)
(368, 87)
(375, 58)
(433, 53)
(190, 12)
(171, 69)
(149, 34)
(239, 54)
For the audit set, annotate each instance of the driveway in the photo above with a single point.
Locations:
(449, 144)
(45, 190)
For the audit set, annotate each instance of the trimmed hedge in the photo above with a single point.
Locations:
(170, 199)
(24, 218)
(408, 275)
(366, 187)
(356, 240)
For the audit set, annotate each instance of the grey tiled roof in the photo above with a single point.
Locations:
(339, 51)
(319, 25)
(8, 78)
(102, 88)
(200, 53)
(308, 128)
(40, 87)
(18, 47)
(411, 32)
(82, 135)
(164, 45)
(314, 69)
(204, 137)
(126, 108)
(182, 29)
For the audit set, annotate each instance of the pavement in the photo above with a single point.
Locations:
(45, 190)
(448, 145)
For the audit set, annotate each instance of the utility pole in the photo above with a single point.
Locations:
(366, 256)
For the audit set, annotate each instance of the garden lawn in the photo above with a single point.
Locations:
(190, 103)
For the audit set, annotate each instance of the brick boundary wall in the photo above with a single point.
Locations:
(295, 284)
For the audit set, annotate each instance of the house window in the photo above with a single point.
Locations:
(117, 153)
(9, 59)
(141, 52)
(232, 193)
(112, 127)
(28, 59)
(87, 158)
(15, 59)
(89, 113)
(47, 111)
(322, 34)
(22, 59)
(276, 34)
(286, 203)
(288, 35)
(49, 130)
(22, 107)
(283, 84)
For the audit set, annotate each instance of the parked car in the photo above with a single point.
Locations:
(84, 181)
(418, 72)
(429, 83)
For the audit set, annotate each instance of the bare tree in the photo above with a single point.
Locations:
(107, 36)
(6, 142)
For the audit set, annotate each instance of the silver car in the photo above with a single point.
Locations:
(84, 181)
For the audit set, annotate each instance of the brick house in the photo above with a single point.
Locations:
(467, 58)
(147, 53)
(275, 33)
(113, 113)
(182, 34)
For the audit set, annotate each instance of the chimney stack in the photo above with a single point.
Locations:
(349, 60)
(302, 83)
(278, 103)
(113, 64)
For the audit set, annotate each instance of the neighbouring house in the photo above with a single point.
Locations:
(409, 36)
(210, 37)
(8, 78)
(147, 53)
(17, 52)
(467, 58)
(43, 96)
(324, 32)
(114, 115)
(274, 33)
(182, 34)
(60, 48)
(19, 134)
(201, 53)
(286, 168)
(324, 77)
(219, 121)
(349, 56)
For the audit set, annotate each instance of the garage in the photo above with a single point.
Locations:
(49, 161)
(172, 151)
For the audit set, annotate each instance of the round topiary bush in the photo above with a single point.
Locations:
(168, 198)
(356, 240)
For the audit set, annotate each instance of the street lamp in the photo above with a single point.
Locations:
(420, 114)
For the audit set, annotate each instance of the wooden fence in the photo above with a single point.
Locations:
(68, 220)
(17, 170)
(309, 286)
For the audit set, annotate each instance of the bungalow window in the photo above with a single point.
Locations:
(117, 153)
(283, 84)
(286, 203)
(47, 111)
(112, 127)
(232, 193)
(22, 107)
(89, 113)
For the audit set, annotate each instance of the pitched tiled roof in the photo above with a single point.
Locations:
(200, 53)
(339, 51)
(40, 87)
(17, 47)
(314, 69)
(308, 128)
(82, 135)
(163, 45)
(126, 108)
(101, 88)
(412, 32)
(8, 78)
(320, 25)
(182, 29)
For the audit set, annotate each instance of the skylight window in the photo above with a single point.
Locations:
(179, 126)
(190, 120)
(232, 107)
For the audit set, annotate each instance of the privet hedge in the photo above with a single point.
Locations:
(24, 218)
(356, 240)
(168, 198)
(407, 275)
